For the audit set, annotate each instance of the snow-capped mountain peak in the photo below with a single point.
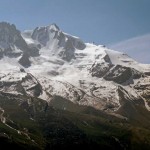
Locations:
(52, 83)
(13, 45)
(53, 41)
(54, 27)
(57, 63)
(9, 36)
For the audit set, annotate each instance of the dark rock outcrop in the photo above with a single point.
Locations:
(100, 69)
(24, 60)
(13, 45)
(121, 74)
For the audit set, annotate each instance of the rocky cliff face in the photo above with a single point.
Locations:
(20, 83)
(10, 40)
(121, 74)
(13, 45)
(52, 39)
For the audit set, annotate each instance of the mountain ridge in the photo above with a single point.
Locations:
(58, 73)
(73, 67)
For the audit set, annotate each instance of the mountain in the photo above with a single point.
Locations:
(57, 92)
(137, 47)
(13, 45)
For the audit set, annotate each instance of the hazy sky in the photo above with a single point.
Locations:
(101, 21)
(138, 48)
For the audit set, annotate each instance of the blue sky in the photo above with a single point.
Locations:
(101, 21)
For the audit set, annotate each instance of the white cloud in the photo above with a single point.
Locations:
(138, 48)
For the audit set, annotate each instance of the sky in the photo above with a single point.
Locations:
(100, 21)
(137, 48)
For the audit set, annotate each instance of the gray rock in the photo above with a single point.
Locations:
(121, 74)
(100, 69)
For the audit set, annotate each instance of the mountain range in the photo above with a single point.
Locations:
(57, 92)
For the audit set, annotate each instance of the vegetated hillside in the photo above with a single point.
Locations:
(30, 123)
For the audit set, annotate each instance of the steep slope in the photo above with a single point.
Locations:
(83, 73)
(20, 83)
(57, 92)
(54, 42)
(12, 45)
(29, 123)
